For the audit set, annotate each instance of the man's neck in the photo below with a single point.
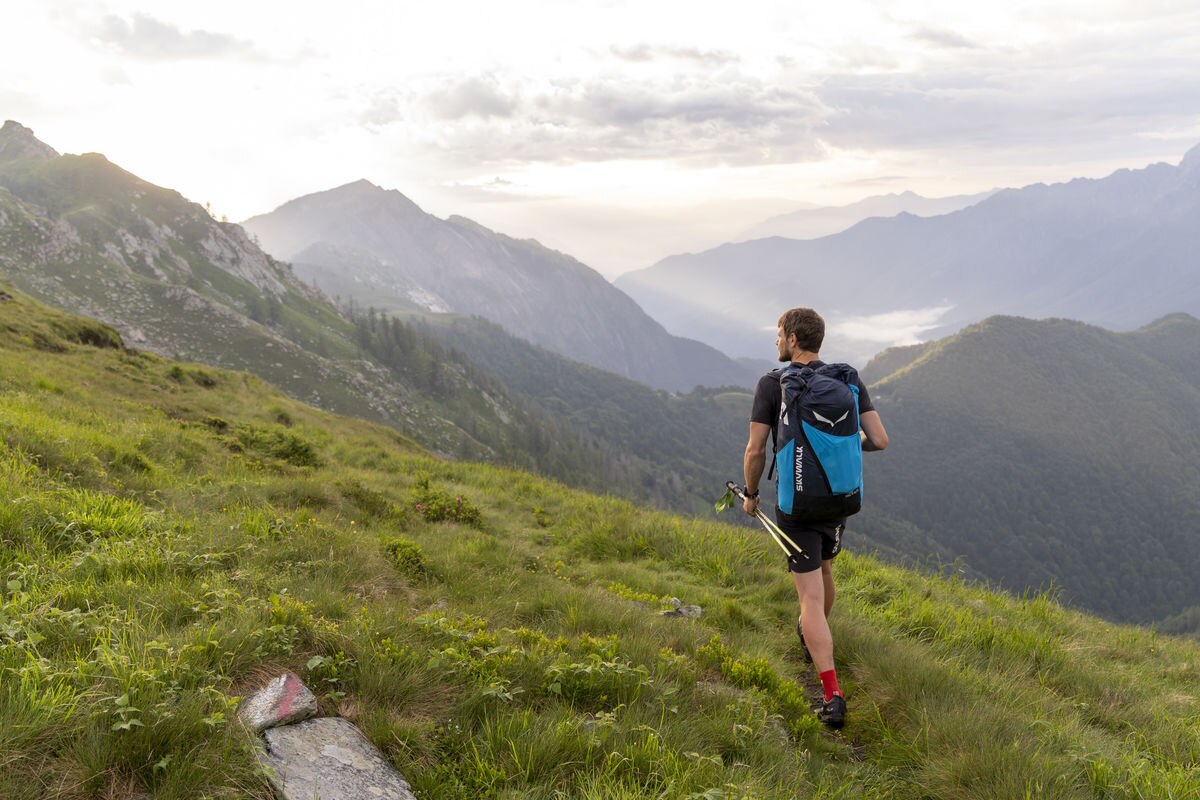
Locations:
(804, 356)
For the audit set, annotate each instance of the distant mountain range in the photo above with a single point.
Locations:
(813, 223)
(377, 247)
(1118, 252)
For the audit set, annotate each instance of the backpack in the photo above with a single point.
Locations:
(818, 454)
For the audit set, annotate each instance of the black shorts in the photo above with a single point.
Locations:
(823, 538)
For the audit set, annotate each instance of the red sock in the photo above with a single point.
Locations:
(829, 681)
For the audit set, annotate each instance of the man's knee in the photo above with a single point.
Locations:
(810, 585)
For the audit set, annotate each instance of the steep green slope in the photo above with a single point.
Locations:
(171, 536)
(1052, 452)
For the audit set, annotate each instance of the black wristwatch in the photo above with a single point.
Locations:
(749, 494)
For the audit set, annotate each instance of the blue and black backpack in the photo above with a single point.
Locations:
(818, 454)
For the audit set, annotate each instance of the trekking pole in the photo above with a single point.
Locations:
(776, 532)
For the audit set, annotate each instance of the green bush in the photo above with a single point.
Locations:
(407, 556)
(436, 505)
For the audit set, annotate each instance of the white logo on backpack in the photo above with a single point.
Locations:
(829, 422)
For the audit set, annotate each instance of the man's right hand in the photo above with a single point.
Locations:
(750, 505)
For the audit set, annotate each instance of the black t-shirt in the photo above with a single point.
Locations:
(768, 395)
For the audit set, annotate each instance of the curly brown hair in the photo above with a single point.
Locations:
(806, 325)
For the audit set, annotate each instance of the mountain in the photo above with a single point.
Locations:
(1049, 453)
(380, 249)
(81, 233)
(171, 545)
(1118, 252)
(812, 223)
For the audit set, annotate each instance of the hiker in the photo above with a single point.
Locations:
(816, 528)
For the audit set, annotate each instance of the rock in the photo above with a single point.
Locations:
(689, 612)
(328, 758)
(675, 603)
(283, 701)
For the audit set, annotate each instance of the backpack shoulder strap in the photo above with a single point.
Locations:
(842, 372)
(778, 375)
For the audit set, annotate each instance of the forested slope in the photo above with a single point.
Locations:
(1052, 453)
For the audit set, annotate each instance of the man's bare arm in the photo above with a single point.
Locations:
(754, 462)
(874, 437)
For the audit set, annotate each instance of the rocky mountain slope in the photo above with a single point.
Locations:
(87, 236)
(360, 241)
(81, 233)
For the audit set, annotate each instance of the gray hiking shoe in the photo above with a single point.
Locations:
(833, 713)
(803, 646)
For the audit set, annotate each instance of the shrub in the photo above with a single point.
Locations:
(436, 505)
(407, 556)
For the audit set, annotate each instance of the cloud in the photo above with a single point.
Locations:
(1003, 109)
(143, 36)
(382, 109)
(890, 329)
(640, 53)
(740, 120)
(473, 97)
(943, 38)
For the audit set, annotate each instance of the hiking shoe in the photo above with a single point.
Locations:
(803, 646)
(833, 713)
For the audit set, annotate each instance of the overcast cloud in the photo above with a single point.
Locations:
(142, 36)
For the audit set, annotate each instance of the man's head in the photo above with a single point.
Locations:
(800, 329)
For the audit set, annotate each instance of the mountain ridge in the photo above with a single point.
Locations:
(457, 264)
(1070, 249)
(814, 222)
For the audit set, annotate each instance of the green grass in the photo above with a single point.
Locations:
(173, 536)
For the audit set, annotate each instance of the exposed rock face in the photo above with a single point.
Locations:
(328, 758)
(281, 702)
(17, 141)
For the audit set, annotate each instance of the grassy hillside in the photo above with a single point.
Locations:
(172, 535)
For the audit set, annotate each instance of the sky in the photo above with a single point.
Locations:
(618, 132)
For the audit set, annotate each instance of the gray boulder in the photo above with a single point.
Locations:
(329, 759)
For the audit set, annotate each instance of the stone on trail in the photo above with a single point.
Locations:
(281, 702)
(328, 758)
(689, 612)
